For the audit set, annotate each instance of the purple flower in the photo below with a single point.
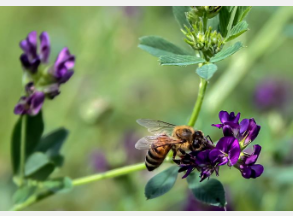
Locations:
(99, 161)
(30, 104)
(247, 165)
(227, 151)
(63, 67)
(206, 165)
(273, 93)
(245, 132)
(30, 59)
(248, 131)
(201, 161)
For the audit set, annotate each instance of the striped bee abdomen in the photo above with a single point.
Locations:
(155, 157)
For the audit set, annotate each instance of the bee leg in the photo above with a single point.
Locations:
(177, 161)
(174, 155)
(182, 151)
(210, 139)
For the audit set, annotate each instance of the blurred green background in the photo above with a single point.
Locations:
(116, 83)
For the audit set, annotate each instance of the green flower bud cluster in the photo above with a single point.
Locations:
(206, 11)
(209, 42)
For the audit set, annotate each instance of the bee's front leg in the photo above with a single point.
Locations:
(182, 151)
(174, 154)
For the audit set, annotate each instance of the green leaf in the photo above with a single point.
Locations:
(237, 30)
(231, 20)
(179, 14)
(23, 193)
(192, 180)
(224, 17)
(226, 52)
(15, 146)
(241, 13)
(207, 71)
(161, 183)
(52, 143)
(34, 131)
(180, 60)
(209, 191)
(36, 162)
(158, 46)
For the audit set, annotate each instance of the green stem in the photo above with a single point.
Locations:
(81, 181)
(202, 88)
(109, 174)
(22, 149)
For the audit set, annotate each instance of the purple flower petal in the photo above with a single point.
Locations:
(36, 102)
(245, 171)
(217, 125)
(256, 170)
(65, 58)
(63, 66)
(223, 116)
(202, 157)
(249, 130)
(231, 129)
(244, 125)
(226, 117)
(29, 45)
(45, 47)
(250, 160)
(234, 152)
(224, 144)
(189, 170)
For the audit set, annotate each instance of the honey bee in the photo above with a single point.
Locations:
(166, 136)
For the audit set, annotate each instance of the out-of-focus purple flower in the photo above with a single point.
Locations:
(45, 47)
(131, 11)
(247, 165)
(30, 104)
(245, 132)
(273, 93)
(99, 161)
(30, 59)
(130, 137)
(227, 151)
(63, 67)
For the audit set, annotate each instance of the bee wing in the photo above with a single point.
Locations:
(156, 126)
(155, 141)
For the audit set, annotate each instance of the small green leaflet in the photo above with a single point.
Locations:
(207, 71)
(36, 161)
(227, 52)
(237, 30)
(180, 60)
(161, 183)
(158, 46)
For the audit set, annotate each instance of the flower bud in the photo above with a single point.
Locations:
(208, 11)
